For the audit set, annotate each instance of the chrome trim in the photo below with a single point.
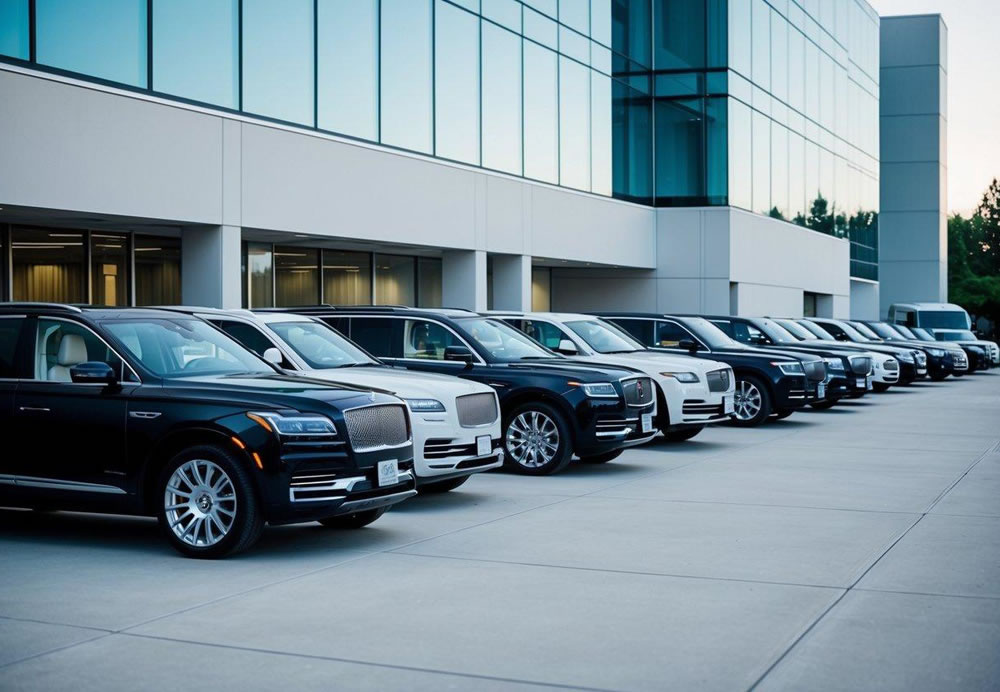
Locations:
(621, 433)
(340, 487)
(56, 484)
(652, 398)
(34, 409)
(7, 479)
(367, 450)
(145, 415)
(375, 502)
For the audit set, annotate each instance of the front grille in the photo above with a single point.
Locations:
(861, 365)
(815, 370)
(960, 360)
(638, 391)
(698, 407)
(718, 380)
(439, 448)
(377, 427)
(921, 358)
(891, 365)
(475, 410)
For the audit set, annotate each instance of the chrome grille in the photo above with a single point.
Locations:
(638, 391)
(861, 365)
(377, 427)
(718, 380)
(475, 410)
(815, 370)
(921, 358)
(891, 365)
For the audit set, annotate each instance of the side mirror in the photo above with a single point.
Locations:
(688, 345)
(93, 372)
(567, 347)
(759, 339)
(841, 337)
(461, 354)
(273, 356)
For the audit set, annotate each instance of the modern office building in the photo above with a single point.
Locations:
(702, 155)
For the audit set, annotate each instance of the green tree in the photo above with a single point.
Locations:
(820, 218)
(974, 258)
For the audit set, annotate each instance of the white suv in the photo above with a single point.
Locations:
(456, 423)
(695, 391)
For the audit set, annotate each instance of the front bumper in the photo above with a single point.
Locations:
(607, 431)
(444, 449)
(693, 403)
(795, 391)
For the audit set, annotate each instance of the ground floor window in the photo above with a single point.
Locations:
(109, 269)
(541, 289)
(347, 278)
(296, 276)
(395, 280)
(157, 270)
(48, 265)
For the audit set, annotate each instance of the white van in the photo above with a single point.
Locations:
(930, 316)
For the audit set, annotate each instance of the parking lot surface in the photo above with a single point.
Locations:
(847, 549)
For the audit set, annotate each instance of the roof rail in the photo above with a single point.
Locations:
(49, 306)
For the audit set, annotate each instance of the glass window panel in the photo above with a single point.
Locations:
(49, 266)
(109, 265)
(740, 155)
(716, 145)
(600, 21)
(541, 289)
(779, 171)
(574, 124)
(505, 12)
(679, 28)
(100, 38)
(812, 81)
(296, 276)
(761, 23)
(196, 50)
(574, 45)
(278, 59)
(157, 270)
(826, 175)
(826, 90)
(548, 7)
(406, 74)
(779, 56)
(260, 282)
(717, 41)
(456, 84)
(679, 155)
(471, 5)
(429, 282)
(600, 58)
(541, 29)
(541, 114)
(796, 175)
(600, 134)
(501, 99)
(347, 67)
(811, 176)
(14, 41)
(575, 14)
(632, 137)
(347, 278)
(761, 163)
(740, 44)
(395, 280)
(630, 30)
(796, 70)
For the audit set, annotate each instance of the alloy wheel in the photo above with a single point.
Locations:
(532, 439)
(200, 503)
(747, 400)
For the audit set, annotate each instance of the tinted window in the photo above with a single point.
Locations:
(941, 319)
(603, 337)
(195, 50)
(278, 59)
(731, 329)
(640, 329)
(248, 335)
(669, 334)
(319, 345)
(379, 336)
(10, 330)
(423, 339)
(61, 345)
(546, 334)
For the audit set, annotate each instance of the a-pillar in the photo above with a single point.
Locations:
(210, 266)
(512, 282)
(463, 279)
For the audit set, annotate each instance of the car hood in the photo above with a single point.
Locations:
(653, 363)
(564, 367)
(769, 354)
(407, 384)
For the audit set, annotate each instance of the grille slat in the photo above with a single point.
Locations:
(718, 380)
(476, 410)
(860, 365)
(638, 391)
(815, 370)
(891, 365)
(377, 427)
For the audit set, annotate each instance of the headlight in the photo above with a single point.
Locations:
(598, 390)
(425, 405)
(688, 377)
(936, 352)
(834, 363)
(905, 357)
(789, 367)
(305, 424)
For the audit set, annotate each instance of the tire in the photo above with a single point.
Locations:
(880, 387)
(781, 414)
(753, 402)
(682, 434)
(355, 520)
(602, 458)
(824, 405)
(443, 486)
(206, 504)
(553, 450)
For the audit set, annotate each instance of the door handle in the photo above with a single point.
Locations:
(34, 409)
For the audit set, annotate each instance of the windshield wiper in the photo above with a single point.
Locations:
(537, 357)
(624, 350)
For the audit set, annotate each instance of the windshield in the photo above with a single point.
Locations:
(817, 330)
(184, 347)
(956, 335)
(797, 330)
(852, 333)
(775, 331)
(503, 342)
(319, 345)
(943, 319)
(884, 331)
(603, 337)
(921, 334)
(866, 331)
(709, 333)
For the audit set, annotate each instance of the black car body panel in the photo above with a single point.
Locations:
(912, 360)
(941, 360)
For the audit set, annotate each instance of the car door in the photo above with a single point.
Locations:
(77, 431)
(668, 335)
(10, 333)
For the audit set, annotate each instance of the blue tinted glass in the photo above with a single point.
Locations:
(574, 45)
(14, 28)
(347, 64)
(541, 114)
(195, 50)
(574, 124)
(761, 163)
(501, 99)
(779, 56)
(796, 175)
(716, 146)
(504, 12)
(679, 158)
(456, 83)
(779, 171)
(600, 133)
(600, 21)
(717, 39)
(679, 34)
(100, 38)
(630, 30)
(761, 24)
(278, 59)
(740, 50)
(406, 66)
(541, 29)
(548, 7)
(740, 153)
(632, 143)
(575, 14)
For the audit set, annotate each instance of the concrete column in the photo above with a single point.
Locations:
(512, 282)
(210, 266)
(463, 279)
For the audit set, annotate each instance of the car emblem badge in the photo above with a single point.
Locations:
(371, 396)
(638, 388)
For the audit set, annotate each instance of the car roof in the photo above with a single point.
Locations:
(353, 309)
(539, 315)
(91, 311)
(929, 306)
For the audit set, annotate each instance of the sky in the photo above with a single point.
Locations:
(973, 91)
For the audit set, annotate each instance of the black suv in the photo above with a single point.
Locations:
(848, 372)
(767, 381)
(912, 361)
(942, 359)
(552, 407)
(139, 411)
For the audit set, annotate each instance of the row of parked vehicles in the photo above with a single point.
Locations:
(220, 421)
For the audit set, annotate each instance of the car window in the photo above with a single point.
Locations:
(320, 346)
(380, 336)
(639, 329)
(670, 334)
(10, 332)
(604, 337)
(548, 335)
(427, 340)
(246, 334)
(501, 341)
(943, 319)
(908, 317)
(737, 332)
(60, 345)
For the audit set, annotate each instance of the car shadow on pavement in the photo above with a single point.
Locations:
(65, 529)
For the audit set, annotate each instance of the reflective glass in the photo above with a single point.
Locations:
(679, 28)
(779, 171)
(504, 12)
(740, 51)
(574, 45)
(679, 156)
(796, 176)
(716, 146)
(717, 38)
(429, 282)
(630, 30)
(157, 270)
(541, 29)
(278, 59)
(260, 282)
(600, 134)
(761, 163)
(796, 69)
(740, 155)
(296, 276)
(347, 278)
(549, 7)
(109, 264)
(196, 50)
(406, 117)
(347, 67)
(574, 124)
(632, 134)
(395, 280)
(575, 14)
(600, 21)
(501, 99)
(779, 56)
(48, 266)
(14, 40)
(811, 176)
(456, 84)
(100, 38)
(541, 114)
(541, 289)
(761, 44)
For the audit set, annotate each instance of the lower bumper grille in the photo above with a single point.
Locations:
(697, 407)
(615, 426)
(442, 449)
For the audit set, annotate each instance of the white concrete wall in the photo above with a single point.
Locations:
(864, 300)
